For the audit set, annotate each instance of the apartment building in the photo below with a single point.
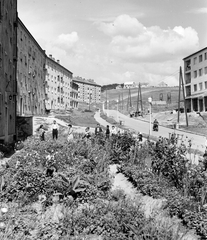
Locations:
(74, 95)
(57, 85)
(195, 81)
(88, 91)
(30, 74)
(8, 58)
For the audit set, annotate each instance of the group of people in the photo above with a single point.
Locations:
(55, 130)
(108, 132)
(99, 131)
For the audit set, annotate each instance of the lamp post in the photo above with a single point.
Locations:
(117, 110)
(150, 104)
(107, 106)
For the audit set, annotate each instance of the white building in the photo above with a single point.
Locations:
(130, 85)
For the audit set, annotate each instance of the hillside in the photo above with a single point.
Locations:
(113, 95)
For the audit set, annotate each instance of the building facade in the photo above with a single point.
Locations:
(8, 58)
(57, 85)
(30, 74)
(74, 95)
(195, 81)
(88, 91)
(130, 85)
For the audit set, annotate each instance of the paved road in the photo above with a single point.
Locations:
(143, 126)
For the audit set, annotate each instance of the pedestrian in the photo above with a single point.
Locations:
(55, 129)
(113, 131)
(87, 134)
(205, 160)
(70, 133)
(42, 133)
(107, 132)
(98, 130)
(140, 137)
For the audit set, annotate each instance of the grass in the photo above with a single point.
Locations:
(79, 118)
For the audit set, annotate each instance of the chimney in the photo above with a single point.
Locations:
(50, 55)
(58, 61)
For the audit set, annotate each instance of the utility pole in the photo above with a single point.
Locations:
(185, 109)
(181, 84)
(139, 99)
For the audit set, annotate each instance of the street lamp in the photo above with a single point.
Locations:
(117, 110)
(150, 104)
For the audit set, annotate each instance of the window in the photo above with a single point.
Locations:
(200, 72)
(200, 86)
(195, 60)
(205, 84)
(205, 70)
(205, 56)
(195, 87)
(195, 74)
(200, 58)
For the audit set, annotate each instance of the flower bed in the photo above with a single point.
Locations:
(59, 190)
(172, 177)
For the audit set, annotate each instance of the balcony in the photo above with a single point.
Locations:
(187, 78)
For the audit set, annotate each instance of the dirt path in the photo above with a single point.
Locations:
(151, 207)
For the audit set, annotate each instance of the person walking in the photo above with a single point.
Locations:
(55, 129)
(107, 132)
(70, 133)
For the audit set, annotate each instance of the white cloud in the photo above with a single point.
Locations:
(198, 10)
(131, 40)
(67, 41)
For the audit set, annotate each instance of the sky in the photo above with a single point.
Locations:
(117, 41)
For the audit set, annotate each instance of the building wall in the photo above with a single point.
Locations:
(74, 95)
(195, 80)
(88, 92)
(58, 85)
(8, 41)
(30, 74)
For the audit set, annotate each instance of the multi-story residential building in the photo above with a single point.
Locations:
(74, 95)
(58, 85)
(8, 57)
(30, 74)
(88, 91)
(195, 77)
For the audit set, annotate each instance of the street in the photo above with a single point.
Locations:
(198, 142)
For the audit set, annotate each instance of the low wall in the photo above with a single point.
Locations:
(24, 127)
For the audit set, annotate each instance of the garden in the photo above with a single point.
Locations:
(59, 190)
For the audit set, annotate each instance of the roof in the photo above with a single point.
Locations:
(86, 82)
(201, 50)
(52, 60)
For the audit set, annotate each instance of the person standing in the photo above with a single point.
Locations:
(42, 133)
(113, 131)
(98, 130)
(107, 132)
(55, 129)
(70, 133)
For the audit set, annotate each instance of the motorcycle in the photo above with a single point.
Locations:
(155, 127)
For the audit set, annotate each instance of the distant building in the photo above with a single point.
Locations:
(30, 74)
(88, 91)
(57, 85)
(119, 86)
(195, 81)
(8, 63)
(162, 84)
(130, 85)
(74, 95)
